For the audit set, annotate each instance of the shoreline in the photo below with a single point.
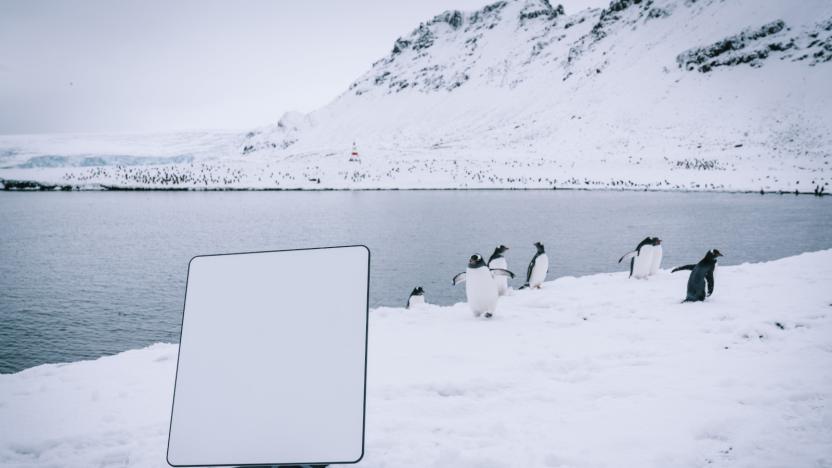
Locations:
(11, 185)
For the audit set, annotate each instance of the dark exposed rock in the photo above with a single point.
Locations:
(754, 45)
(400, 45)
(454, 18)
(723, 52)
(655, 13)
(613, 13)
(544, 10)
(488, 10)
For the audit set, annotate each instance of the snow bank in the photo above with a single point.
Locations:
(588, 372)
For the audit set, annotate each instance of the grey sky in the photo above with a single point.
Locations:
(149, 65)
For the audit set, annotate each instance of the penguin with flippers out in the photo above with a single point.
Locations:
(417, 297)
(641, 259)
(498, 260)
(480, 286)
(701, 277)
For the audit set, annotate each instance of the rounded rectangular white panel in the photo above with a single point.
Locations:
(272, 359)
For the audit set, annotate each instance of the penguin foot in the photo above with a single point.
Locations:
(488, 315)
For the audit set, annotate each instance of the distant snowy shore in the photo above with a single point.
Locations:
(596, 371)
(419, 174)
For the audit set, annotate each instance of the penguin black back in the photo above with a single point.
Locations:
(701, 277)
(417, 292)
(540, 251)
(476, 261)
(498, 252)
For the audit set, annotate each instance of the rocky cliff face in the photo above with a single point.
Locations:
(526, 70)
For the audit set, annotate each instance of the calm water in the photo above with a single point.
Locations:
(86, 274)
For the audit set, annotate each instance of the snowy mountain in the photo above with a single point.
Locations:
(643, 94)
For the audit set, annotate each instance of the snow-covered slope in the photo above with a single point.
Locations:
(656, 94)
(562, 376)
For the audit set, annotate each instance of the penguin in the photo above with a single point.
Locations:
(480, 286)
(656, 261)
(641, 259)
(647, 252)
(538, 267)
(497, 260)
(417, 297)
(701, 273)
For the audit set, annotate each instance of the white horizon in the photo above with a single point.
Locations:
(98, 67)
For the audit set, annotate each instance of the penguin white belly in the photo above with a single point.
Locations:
(502, 281)
(642, 262)
(415, 301)
(541, 266)
(657, 260)
(481, 291)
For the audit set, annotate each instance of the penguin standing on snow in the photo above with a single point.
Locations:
(656, 262)
(538, 267)
(641, 259)
(480, 286)
(497, 260)
(417, 297)
(701, 273)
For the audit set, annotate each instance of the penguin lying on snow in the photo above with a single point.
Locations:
(645, 259)
(480, 285)
(538, 267)
(701, 273)
(417, 297)
(498, 261)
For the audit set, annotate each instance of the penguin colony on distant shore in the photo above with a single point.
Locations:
(485, 281)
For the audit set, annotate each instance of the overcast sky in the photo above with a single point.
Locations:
(150, 65)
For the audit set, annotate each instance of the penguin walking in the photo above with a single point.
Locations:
(656, 262)
(497, 260)
(701, 275)
(641, 259)
(480, 286)
(538, 268)
(417, 297)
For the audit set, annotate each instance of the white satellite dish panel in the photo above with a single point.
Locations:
(272, 359)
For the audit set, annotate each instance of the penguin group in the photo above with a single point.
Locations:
(485, 281)
(646, 259)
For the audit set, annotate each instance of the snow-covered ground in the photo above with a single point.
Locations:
(597, 371)
(660, 94)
